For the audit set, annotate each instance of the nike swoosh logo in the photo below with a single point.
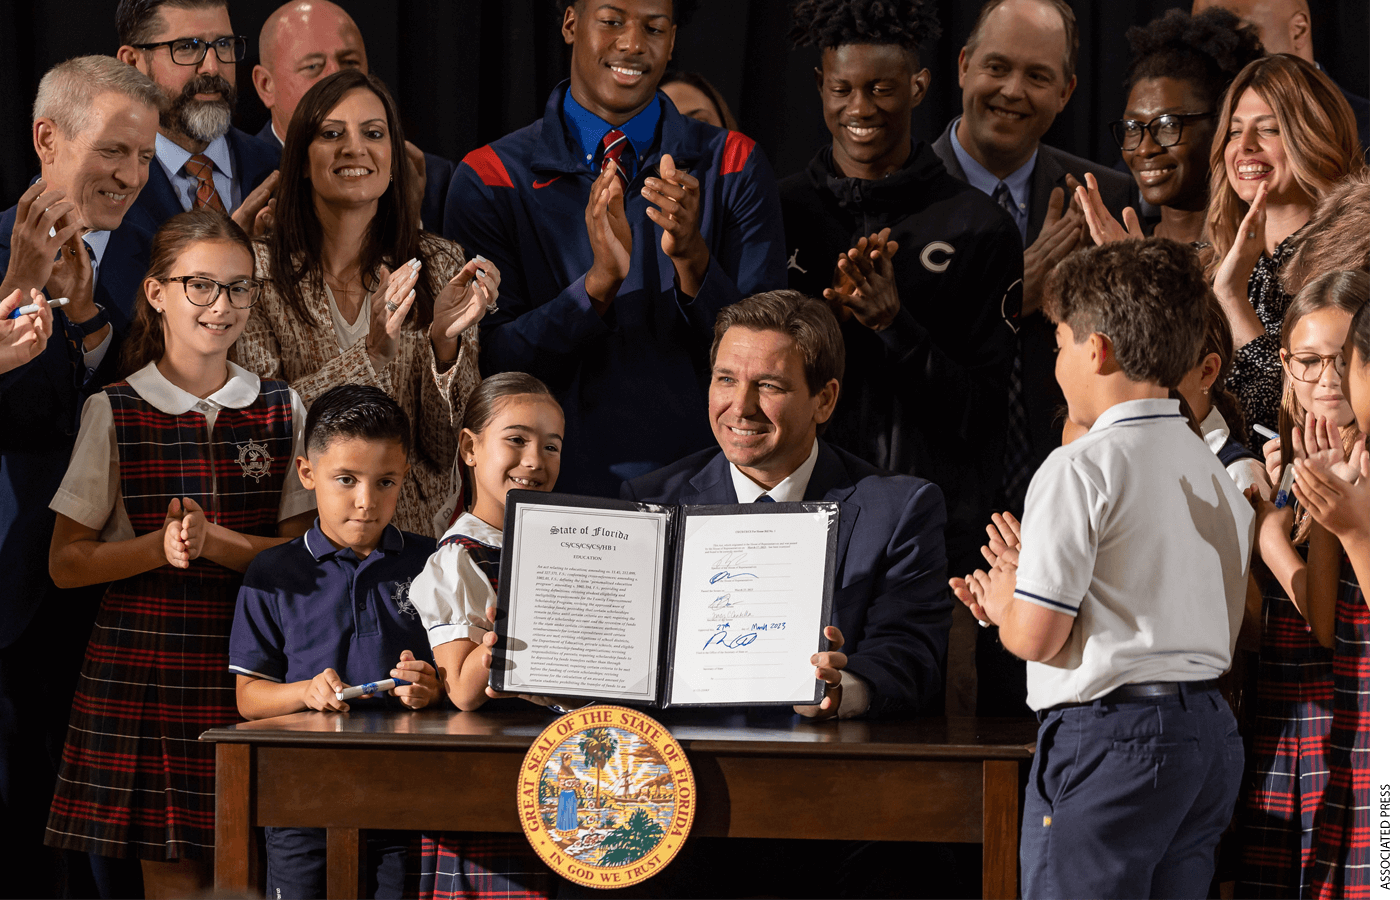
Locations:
(544, 184)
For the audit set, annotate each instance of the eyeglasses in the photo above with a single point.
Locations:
(1165, 130)
(203, 291)
(191, 51)
(1308, 367)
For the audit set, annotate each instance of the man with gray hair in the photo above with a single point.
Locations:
(72, 234)
(188, 48)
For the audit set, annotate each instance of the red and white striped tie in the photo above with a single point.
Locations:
(614, 145)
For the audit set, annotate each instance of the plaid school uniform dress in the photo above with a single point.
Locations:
(134, 779)
(1341, 866)
(1286, 769)
(464, 865)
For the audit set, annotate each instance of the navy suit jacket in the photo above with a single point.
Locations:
(434, 195)
(892, 601)
(40, 405)
(252, 163)
(1042, 393)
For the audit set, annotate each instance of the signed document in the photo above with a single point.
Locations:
(664, 606)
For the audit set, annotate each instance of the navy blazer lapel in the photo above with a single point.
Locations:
(712, 484)
(943, 147)
(158, 197)
(831, 481)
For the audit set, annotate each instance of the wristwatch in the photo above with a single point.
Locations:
(93, 325)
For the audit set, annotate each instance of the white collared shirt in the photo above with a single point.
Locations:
(790, 490)
(172, 158)
(452, 594)
(1135, 531)
(1245, 471)
(91, 490)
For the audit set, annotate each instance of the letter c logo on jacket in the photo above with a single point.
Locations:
(937, 247)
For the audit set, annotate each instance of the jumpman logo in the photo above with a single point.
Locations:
(792, 262)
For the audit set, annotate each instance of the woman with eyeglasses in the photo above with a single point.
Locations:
(181, 474)
(357, 293)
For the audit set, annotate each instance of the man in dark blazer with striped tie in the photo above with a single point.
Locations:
(94, 132)
(190, 50)
(776, 366)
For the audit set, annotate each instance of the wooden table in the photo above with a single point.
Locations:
(952, 780)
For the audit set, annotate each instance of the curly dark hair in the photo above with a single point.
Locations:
(1207, 50)
(834, 23)
(681, 10)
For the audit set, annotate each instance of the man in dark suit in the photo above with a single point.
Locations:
(776, 362)
(302, 42)
(94, 132)
(190, 51)
(1017, 73)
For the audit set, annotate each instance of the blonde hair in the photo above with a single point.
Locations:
(67, 91)
(1319, 139)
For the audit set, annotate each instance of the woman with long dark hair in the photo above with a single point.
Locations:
(357, 293)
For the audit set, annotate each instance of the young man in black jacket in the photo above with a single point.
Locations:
(923, 270)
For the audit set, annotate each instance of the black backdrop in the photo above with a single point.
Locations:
(466, 72)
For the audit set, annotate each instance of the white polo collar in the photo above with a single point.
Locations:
(241, 389)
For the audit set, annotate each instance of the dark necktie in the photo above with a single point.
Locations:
(617, 148)
(201, 168)
(1017, 460)
(764, 498)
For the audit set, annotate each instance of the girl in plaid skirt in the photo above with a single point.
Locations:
(1343, 507)
(1319, 434)
(181, 475)
(512, 437)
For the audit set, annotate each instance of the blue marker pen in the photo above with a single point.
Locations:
(1285, 485)
(365, 690)
(1271, 435)
(31, 308)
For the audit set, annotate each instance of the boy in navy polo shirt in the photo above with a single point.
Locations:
(332, 609)
(1125, 589)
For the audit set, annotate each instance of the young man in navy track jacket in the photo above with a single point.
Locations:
(610, 281)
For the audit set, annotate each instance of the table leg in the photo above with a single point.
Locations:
(999, 831)
(342, 863)
(235, 854)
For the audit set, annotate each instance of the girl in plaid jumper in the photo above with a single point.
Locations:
(181, 475)
(1314, 780)
(512, 437)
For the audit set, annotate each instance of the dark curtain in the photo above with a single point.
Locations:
(467, 72)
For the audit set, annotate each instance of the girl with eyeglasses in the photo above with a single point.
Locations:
(358, 293)
(1305, 830)
(182, 473)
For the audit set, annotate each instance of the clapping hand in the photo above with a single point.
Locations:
(389, 307)
(1103, 228)
(676, 198)
(462, 303)
(1060, 235)
(185, 531)
(32, 248)
(863, 284)
(610, 237)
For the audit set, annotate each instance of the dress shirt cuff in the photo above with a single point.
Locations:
(93, 358)
(855, 696)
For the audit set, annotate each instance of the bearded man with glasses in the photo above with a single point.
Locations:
(189, 49)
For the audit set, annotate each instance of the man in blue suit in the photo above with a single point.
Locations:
(302, 42)
(190, 51)
(776, 366)
(95, 133)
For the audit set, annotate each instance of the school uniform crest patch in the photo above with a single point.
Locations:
(401, 600)
(255, 460)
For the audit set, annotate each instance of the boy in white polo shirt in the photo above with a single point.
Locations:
(1125, 590)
